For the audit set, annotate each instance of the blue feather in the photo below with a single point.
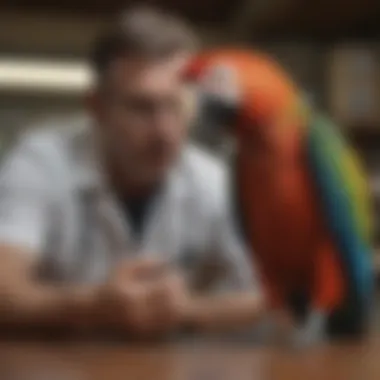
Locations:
(337, 206)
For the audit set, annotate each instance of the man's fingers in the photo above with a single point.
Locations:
(169, 285)
(168, 294)
(149, 294)
(140, 268)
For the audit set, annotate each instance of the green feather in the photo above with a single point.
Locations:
(347, 165)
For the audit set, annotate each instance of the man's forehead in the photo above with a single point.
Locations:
(180, 61)
(172, 65)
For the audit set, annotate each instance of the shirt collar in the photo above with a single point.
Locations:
(87, 168)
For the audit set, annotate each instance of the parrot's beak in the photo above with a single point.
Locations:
(216, 115)
(218, 96)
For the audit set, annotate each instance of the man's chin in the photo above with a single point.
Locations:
(156, 173)
(158, 168)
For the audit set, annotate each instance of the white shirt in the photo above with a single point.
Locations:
(54, 203)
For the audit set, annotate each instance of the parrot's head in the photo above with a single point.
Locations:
(240, 90)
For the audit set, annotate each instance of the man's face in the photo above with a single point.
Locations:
(141, 115)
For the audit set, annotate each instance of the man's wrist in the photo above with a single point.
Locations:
(224, 312)
(80, 311)
(196, 314)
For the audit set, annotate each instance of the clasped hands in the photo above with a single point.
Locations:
(144, 298)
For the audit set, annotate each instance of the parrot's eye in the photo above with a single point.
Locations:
(221, 82)
(217, 101)
(218, 111)
(219, 97)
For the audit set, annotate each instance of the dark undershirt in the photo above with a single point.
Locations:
(137, 209)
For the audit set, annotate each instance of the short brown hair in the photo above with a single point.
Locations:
(145, 32)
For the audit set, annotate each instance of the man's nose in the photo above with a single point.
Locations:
(163, 125)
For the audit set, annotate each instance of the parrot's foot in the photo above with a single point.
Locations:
(312, 333)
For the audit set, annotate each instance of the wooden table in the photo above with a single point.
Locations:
(89, 361)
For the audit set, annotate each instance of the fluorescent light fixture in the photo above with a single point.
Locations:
(44, 76)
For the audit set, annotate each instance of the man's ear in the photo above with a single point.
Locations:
(91, 100)
(190, 103)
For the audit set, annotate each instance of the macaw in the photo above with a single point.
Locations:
(302, 199)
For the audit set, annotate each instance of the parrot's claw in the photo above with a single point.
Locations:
(312, 333)
(304, 338)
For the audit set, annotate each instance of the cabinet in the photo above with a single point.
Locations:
(354, 85)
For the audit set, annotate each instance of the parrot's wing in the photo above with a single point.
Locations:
(345, 198)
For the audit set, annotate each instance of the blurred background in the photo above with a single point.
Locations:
(331, 47)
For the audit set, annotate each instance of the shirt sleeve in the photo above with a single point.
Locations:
(25, 195)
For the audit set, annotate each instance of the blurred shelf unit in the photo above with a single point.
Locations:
(377, 262)
(342, 78)
(305, 62)
(353, 77)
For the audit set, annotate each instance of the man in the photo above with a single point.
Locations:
(111, 224)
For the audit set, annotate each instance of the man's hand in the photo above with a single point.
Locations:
(168, 299)
(142, 297)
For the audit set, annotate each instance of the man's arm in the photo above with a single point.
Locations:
(224, 312)
(127, 302)
(238, 302)
(27, 303)
(26, 197)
